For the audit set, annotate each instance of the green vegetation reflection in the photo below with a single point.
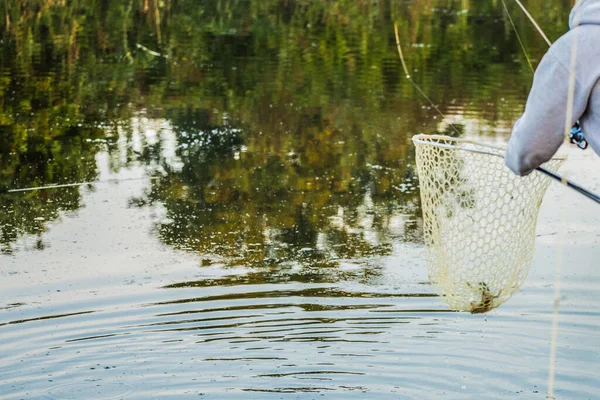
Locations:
(291, 119)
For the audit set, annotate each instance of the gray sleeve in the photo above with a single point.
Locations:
(540, 131)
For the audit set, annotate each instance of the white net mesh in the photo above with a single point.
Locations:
(479, 220)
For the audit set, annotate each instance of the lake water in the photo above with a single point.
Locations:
(250, 226)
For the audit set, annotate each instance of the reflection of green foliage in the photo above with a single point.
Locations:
(287, 115)
(27, 213)
(37, 161)
(265, 205)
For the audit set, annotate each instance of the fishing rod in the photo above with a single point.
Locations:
(576, 130)
(590, 195)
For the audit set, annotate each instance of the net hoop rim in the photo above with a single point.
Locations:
(435, 141)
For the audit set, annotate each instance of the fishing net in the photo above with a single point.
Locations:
(479, 220)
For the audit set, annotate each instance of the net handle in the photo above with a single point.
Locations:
(418, 139)
(427, 140)
(430, 140)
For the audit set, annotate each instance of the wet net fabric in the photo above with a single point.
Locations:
(479, 220)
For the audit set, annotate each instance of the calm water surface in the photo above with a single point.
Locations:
(251, 227)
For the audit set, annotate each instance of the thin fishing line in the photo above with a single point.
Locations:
(518, 36)
(407, 74)
(534, 22)
(31, 189)
(560, 255)
(556, 306)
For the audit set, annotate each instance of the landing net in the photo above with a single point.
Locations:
(479, 220)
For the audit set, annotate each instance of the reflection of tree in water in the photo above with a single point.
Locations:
(282, 201)
(320, 79)
(35, 152)
(51, 107)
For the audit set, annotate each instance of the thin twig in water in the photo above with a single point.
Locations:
(147, 50)
(518, 36)
(65, 185)
(415, 84)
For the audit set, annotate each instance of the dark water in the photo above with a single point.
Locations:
(250, 226)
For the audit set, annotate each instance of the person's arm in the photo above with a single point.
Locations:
(540, 131)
